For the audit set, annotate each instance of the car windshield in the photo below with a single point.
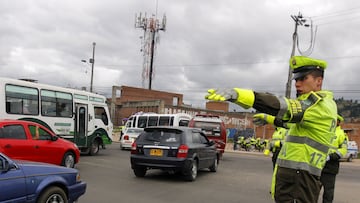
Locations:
(163, 137)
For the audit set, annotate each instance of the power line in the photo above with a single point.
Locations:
(338, 13)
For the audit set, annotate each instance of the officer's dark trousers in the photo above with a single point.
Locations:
(296, 186)
(328, 181)
(274, 156)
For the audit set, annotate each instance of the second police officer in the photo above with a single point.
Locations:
(331, 169)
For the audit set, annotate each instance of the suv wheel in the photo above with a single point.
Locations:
(350, 158)
(213, 167)
(191, 173)
(139, 172)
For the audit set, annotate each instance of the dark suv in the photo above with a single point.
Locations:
(177, 149)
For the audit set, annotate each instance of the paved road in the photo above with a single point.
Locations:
(242, 177)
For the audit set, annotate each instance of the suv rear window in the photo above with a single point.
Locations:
(162, 136)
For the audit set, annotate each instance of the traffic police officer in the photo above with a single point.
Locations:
(314, 114)
(276, 143)
(331, 169)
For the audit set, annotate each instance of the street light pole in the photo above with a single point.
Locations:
(92, 61)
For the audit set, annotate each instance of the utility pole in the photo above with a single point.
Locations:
(299, 20)
(92, 61)
(151, 27)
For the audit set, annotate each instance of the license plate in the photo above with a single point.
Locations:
(156, 152)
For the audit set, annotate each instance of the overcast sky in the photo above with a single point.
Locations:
(207, 43)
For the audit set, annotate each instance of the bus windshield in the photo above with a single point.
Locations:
(209, 128)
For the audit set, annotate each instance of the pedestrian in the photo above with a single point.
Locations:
(236, 137)
(313, 112)
(331, 169)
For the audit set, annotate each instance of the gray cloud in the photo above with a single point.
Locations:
(206, 44)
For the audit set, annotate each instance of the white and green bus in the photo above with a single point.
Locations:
(79, 116)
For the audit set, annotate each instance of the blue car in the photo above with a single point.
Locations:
(23, 181)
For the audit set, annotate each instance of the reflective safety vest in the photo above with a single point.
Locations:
(308, 140)
(277, 138)
(339, 142)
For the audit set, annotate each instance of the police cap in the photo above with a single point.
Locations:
(302, 65)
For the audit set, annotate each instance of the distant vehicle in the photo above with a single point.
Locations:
(129, 137)
(79, 116)
(31, 141)
(352, 151)
(213, 127)
(143, 120)
(23, 181)
(175, 149)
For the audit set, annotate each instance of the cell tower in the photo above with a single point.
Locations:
(151, 27)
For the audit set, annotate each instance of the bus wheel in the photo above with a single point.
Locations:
(94, 148)
(68, 160)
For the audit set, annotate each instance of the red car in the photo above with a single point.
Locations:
(31, 141)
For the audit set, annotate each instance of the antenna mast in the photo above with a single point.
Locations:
(151, 27)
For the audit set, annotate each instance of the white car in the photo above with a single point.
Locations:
(129, 136)
(352, 151)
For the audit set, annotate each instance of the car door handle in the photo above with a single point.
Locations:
(8, 146)
(36, 147)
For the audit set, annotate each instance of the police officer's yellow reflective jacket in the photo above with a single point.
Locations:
(307, 144)
(337, 151)
(339, 143)
(313, 117)
(277, 138)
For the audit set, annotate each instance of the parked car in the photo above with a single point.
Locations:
(31, 141)
(176, 149)
(129, 137)
(24, 181)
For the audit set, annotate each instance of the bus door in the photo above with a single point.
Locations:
(81, 124)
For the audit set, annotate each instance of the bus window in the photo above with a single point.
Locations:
(184, 123)
(100, 113)
(134, 121)
(21, 100)
(56, 104)
(142, 121)
(171, 120)
(153, 121)
(164, 121)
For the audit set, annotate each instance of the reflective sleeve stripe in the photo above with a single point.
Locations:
(308, 141)
(299, 165)
(297, 110)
